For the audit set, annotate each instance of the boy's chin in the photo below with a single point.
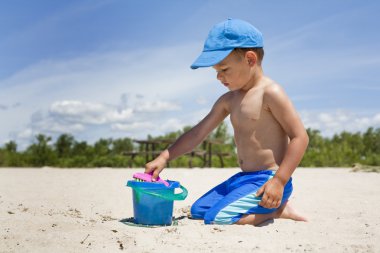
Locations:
(232, 88)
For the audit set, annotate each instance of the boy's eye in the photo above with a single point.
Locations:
(222, 70)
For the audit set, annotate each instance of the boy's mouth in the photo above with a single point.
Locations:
(226, 84)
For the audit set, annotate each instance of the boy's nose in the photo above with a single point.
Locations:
(219, 76)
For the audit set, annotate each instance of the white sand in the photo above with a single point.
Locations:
(79, 210)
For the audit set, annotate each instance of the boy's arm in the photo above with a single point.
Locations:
(189, 140)
(284, 112)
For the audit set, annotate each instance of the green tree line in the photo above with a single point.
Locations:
(341, 150)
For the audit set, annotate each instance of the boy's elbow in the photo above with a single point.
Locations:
(305, 138)
(302, 139)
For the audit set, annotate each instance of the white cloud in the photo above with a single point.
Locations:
(25, 134)
(88, 113)
(133, 126)
(126, 116)
(171, 125)
(156, 106)
(50, 125)
(201, 100)
(332, 122)
(132, 116)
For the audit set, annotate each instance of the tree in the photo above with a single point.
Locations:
(11, 147)
(102, 147)
(64, 145)
(121, 145)
(82, 149)
(221, 133)
(41, 153)
(9, 156)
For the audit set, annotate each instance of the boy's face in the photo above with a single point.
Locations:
(234, 71)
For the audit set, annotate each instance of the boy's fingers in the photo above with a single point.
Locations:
(273, 204)
(148, 168)
(155, 174)
(270, 204)
(260, 192)
(264, 201)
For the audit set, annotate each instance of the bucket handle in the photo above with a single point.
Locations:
(166, 195)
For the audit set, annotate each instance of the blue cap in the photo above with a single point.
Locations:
(225, 37)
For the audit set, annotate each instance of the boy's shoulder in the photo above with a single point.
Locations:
(275, 98)
(273, 91)
(270, 86)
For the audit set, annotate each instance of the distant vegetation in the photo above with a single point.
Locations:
(342, 150)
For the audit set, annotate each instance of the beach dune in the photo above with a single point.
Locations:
(82, 210)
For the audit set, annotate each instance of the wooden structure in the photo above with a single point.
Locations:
(150, 149)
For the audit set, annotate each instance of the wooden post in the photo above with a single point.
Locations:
(221, 160)
(146, 152)
(204, 146)
(209, 154)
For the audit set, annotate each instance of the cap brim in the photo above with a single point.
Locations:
(210, 58)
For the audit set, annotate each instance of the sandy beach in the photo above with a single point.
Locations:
(81, 210)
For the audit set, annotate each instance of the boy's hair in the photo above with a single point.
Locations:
(258, 50)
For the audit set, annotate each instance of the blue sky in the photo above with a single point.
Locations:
(114, 68)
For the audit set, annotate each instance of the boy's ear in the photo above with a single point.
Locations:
(251, 58)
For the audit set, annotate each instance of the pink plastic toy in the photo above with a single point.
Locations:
(145, 177)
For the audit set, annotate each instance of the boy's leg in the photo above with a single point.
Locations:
(204, 203)
(285, 211)
(240, 202)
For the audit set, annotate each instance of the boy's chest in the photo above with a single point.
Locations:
(247, 109)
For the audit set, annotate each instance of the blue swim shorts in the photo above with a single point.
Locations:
(229, 201)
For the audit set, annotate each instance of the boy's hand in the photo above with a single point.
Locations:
(272, 192)
(155, 166)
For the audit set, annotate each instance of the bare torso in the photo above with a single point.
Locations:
(261, 141)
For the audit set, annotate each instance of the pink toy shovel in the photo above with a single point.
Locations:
(145, 177)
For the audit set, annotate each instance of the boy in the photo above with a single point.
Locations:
(269, 135)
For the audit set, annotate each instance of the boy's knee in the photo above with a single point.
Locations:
(209, 218)
(199, 212)
(196, 211)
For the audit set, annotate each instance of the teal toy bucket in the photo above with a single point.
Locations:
(153, 202)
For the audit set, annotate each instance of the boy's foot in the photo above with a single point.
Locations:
(286, 211)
